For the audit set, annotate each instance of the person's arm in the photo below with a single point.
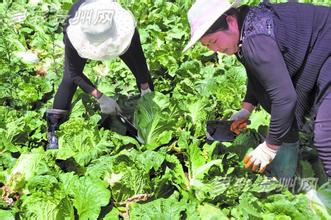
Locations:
(265, 61)
(250, 101)
(74, 65)
(135, 59)
(247, 107)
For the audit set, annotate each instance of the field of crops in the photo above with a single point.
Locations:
(100, 172)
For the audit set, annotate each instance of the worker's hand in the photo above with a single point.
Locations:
(239, 125)
(241, 114)
(240, 119)
(108, 105)
(260, 158)
(145, 91)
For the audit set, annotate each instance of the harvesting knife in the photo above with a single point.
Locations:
(220, 130)
(129, 126)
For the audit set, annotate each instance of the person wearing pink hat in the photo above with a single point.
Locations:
(286, 51)
(96, 30)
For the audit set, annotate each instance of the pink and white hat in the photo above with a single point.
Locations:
(203, 14)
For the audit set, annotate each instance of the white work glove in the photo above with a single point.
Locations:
(260, 157)
(145, 91)
(241, 114)
(108, 105)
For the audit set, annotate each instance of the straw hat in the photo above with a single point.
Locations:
(101, 29)
(203, 14)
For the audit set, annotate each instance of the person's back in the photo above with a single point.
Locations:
(303, 35)
(300, 28)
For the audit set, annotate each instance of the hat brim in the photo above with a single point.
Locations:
(203, 29)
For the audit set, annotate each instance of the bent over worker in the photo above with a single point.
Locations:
(286, 51)
(96, 30)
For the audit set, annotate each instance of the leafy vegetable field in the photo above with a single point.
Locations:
(99, 172)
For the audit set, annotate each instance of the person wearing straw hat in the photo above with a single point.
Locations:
(96, 30)
(286, 51)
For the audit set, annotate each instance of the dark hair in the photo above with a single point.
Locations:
(221, 23)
